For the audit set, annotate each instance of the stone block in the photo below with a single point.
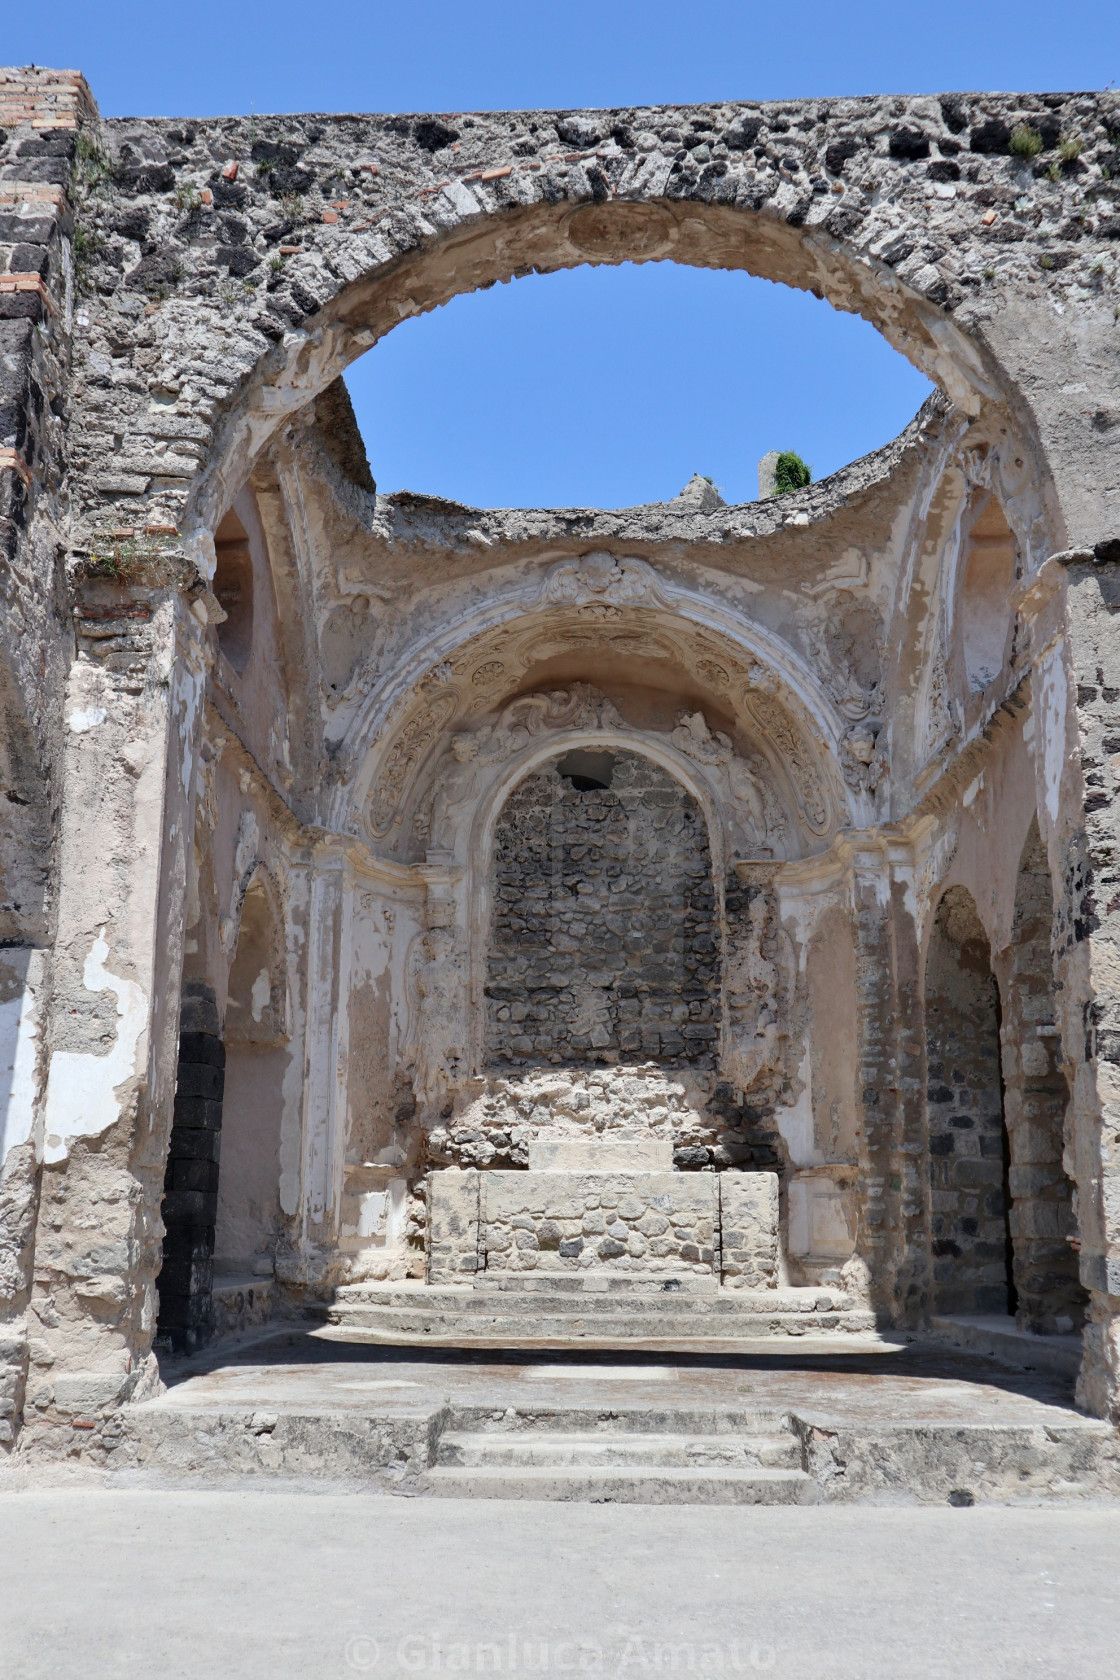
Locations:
(453, 1225)
(601, 1154)
(573, 1222)
(821, 1222)
(748, 1206)
(88, 1391)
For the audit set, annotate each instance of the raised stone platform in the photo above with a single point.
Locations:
(685, 1312)
(580, 1221)
(783, 1423)
(1000, 1337)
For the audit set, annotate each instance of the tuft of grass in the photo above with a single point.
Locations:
(126, 558)
(91, 162)
(1026, 142)
(1071, 149)
(87, 247)
(292, 206)
(791, 472)
(185, 198)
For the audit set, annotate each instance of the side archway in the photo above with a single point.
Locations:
(968, 1146)
(1043, 1206)
(249, 1217)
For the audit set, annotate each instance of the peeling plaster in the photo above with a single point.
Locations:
(21, 984)
(1054, 694)
(83, 720)
(81, 1088)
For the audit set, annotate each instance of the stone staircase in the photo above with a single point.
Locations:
(628, 1456)
(675, 1313)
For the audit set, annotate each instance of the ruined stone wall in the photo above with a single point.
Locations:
(214, 279)
(604, 942)
(40, 111)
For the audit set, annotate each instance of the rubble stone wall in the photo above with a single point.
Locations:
(604, 941)
(967, 1135)
(190, 1192)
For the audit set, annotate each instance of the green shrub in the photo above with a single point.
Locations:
(1026, 142)
(791, 473)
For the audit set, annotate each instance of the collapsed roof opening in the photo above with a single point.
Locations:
(613, 386)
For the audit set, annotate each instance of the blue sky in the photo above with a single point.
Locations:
(596, 387)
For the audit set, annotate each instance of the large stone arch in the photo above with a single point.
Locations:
(836, 197)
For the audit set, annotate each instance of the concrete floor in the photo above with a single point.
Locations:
(267, 1583)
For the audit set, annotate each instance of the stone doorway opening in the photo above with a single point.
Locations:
(969, 1152)
(248, 1213)
(1048, 1293)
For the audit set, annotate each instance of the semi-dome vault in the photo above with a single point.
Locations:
(438, 859)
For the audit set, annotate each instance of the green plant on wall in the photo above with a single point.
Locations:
(791, 472)
(1026, 142)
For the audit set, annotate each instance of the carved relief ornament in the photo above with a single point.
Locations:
(602, 581)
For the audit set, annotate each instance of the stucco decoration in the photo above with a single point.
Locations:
(758, 986)
(600, 581)
(436, 1044)
(406, 752)
(743, 781)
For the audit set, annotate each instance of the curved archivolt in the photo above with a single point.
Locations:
(686, 693)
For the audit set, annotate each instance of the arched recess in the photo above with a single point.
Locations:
(712, 1012)
(233, 587)
(968, 1145)
(987, 572)
(752, 699)
(256, 1044)
(1043, 1207)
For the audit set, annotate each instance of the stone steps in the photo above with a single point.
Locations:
(522, 1317)
(555, 1449)
(609, 1444)
(723, 1485)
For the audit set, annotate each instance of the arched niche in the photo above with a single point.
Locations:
(480, 817)
(1050, 1298)
(987, 571)
(708, 1016)
(233, 587)
(968, 1145)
